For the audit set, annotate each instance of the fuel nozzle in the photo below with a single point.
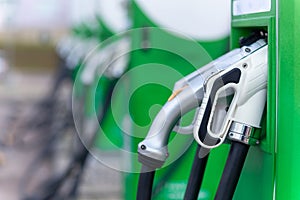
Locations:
(245, 81)
(188, 94)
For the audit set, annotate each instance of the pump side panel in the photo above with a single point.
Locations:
(288, 152)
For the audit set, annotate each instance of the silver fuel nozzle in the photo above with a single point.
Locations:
(187, 95)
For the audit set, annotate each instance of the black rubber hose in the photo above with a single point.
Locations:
(232, 171)
(196, 176)
(199, 165)
(145, 184)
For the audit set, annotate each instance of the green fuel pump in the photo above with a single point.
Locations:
(116, 45)
(266, 164)
(272, 163)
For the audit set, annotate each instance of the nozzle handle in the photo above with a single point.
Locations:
(245, 81)
(215, 86)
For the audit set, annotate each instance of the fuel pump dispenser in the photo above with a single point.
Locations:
(270, 164)
(264, 164)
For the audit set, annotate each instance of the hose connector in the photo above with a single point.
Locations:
(243, 133)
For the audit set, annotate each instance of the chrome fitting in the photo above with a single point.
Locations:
(243, 133)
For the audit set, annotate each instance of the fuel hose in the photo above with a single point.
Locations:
(196, 176)
(145, 184)
(232, 171)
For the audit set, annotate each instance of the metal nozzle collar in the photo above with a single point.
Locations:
(243, 133)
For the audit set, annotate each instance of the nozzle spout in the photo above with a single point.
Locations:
(153, 150)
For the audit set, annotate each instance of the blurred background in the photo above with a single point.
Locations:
(70, 116)
(30, 66)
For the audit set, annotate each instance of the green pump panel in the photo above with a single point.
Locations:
(270, 170)
(288, 97)
(114, 19)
